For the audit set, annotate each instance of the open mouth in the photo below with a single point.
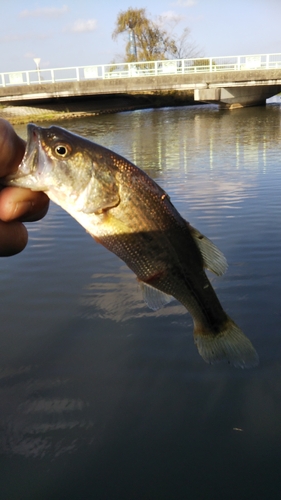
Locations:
(29, 162)
(30, 170)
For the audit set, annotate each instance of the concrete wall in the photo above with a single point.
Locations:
(237, 97)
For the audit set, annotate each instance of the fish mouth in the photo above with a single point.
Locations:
(32, 165)
(31, 150)
(33, 138)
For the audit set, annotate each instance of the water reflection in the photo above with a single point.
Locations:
(192, 137)
(29, 420)
(94, 382)
(118, 297)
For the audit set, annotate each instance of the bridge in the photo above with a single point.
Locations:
(230, 81)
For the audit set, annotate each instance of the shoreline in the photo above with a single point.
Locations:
(18, 119)
(67, 109)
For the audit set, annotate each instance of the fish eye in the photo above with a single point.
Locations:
(61, 150)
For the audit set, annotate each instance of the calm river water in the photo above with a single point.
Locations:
(103, 399)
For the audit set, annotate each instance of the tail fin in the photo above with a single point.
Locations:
(230, 345)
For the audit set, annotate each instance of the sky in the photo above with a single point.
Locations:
(66, 33)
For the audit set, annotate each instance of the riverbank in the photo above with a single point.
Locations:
(67, 109)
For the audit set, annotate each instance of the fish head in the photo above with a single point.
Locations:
(68, 168)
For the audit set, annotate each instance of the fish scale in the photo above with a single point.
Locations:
(133, 217)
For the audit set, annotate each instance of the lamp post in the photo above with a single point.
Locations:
(132, 40)
(37, 62)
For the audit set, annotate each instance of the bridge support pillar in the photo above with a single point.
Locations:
(237, 97)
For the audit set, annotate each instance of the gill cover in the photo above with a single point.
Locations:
(101, 193)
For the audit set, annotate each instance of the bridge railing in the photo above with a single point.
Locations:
(140, 69)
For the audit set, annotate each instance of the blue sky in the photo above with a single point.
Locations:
(78, 32)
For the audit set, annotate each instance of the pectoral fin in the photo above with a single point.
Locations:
(213, 258)
(154, 298)
(101, 194)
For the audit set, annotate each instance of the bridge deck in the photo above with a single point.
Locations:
(260, 73)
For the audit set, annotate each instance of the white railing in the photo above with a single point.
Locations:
(138, 69)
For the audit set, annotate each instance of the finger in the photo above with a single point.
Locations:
(22, 204)
(13, 238)
(12, 148)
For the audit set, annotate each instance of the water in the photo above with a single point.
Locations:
(102, 398)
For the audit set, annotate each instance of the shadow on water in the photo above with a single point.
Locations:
(102, 398)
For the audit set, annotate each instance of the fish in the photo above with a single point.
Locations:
(127, 212)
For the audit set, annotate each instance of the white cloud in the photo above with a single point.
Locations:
(29, 55)
(185, 3)
(45, 12)
(21, 37)
(81, 26)
(171, 16)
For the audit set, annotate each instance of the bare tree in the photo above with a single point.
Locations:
(184, 48)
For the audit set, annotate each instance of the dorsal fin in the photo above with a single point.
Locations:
(213, 258)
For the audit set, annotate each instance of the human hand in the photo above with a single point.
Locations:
(17, 205)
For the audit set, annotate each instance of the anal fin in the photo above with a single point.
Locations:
(155, 299)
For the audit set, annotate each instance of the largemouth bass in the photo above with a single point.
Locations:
(128, 213)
